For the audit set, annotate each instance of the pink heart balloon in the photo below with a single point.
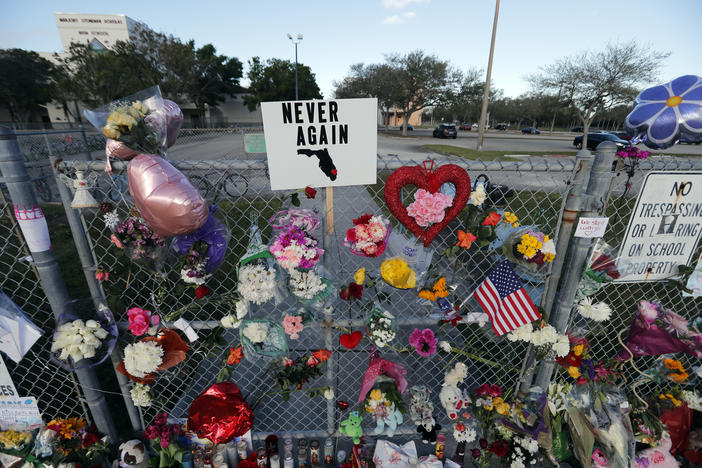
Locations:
(117, 149)
(165, 198)
(174, 119)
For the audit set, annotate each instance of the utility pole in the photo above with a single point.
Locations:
(483, 112)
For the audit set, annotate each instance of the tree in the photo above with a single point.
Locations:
(463, 102)
(424, 81)
(377, 80)
(25, 82)
(275, 81)
(594, 82)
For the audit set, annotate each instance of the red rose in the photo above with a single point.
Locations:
(460, 427)
(475, 453)
(483, 390)
(499, 448)
(573, 360)
(362, 220)
(202, 291)
(344, 294)
(351, 235)
(90, 439)
(483, 443)
(539, 258)
(581, 380)
(310, 192)
(356, 290)
(495, 391)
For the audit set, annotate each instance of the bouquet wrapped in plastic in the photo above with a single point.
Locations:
(262, 340)
(141, 244)
(369, 236)
(311, 288)
(203, 251)
(601, 269)
(140, 123)
(294, 246)
(529, 248)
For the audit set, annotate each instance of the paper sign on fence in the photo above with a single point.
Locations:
(591, 228)
(321, 143)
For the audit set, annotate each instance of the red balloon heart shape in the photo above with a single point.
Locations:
(343, 405)
(431, 181)
(350, 340)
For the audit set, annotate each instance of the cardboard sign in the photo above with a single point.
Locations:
(591, 228)
(19, 414)
(664, 228)
(321, 143)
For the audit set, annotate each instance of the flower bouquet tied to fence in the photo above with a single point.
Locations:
(262, 339)
(369, 236)
(294, 246)
(140, 243)
(380, 327)
(529, 248)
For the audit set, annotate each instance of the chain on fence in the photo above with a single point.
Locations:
(55, 389)
(241, 192)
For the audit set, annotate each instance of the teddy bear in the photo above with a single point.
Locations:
(452, 399)
(387, 419)
(656, 457)
(352, 427)
(428, 428)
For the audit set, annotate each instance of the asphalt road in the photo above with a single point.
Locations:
(393, 143)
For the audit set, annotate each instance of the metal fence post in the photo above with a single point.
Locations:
(22, 194)
(81, 242)
(589, 205)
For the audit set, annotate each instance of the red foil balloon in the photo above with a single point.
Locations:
(220, 414)
(165, 198)
(174, 119)
(117, 149)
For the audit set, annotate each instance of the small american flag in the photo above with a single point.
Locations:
(504, 299)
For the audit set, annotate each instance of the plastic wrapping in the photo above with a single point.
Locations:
(84, 311)
(262, 340)
(294, 246)
(601, 269)
(220, 413)
(369, 236)
(668, 113)
(17, 333)
(140, 244)
(318, 301)
(529, 248)
(381, 326)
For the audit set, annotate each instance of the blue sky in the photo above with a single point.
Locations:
(338, 34)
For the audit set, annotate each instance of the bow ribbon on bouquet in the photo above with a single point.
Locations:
(379, 366)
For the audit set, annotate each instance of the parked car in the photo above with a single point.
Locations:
(501, 126)
(594, 139)
(466, 126)
(622, 135)
(530, 130)
(445, 131)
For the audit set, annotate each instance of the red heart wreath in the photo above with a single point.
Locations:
(431, 181)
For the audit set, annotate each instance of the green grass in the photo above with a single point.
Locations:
(396, 134)
(484, 155)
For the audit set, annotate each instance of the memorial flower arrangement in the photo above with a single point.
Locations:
(429, 208)
(546, 339)
(141, 395)
(73, 441)
(129, 124)
(78, 339)
(423, 341)
(193, 265)
(369, 236)
(142, 321)
(597, 311)
(387, 407)
(138, 240)
(142, 358)
(151, 354)
(291, 375)
(14, 440)
(257, 283)
(536, 247)
(262, 339)
(294, 246)
(163, 438)
(380, 327)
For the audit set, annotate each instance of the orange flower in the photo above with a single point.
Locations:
(492, 219)
(235, 355)
(322, 355)
(673, 364)
(465, 239)
(679, 378)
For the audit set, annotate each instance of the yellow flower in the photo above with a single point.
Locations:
(487, 406)
(549, 257)
(530, 252)
(500, 406)
(573, 372)
(521, 248)
(578, 349)
(510, 218)
(397, 273)
(376, 394)
(360, 276)
(677, 403)
(111, 131)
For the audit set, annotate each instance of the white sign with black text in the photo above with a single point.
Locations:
(591, 228)
(321, 143)
(664, 228)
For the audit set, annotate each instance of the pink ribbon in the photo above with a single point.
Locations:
(379, 366)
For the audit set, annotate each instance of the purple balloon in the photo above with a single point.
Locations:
(668, 113)
(214, 233)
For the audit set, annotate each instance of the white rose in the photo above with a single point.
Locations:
(478, 195)
(229, 321)
(329, 394)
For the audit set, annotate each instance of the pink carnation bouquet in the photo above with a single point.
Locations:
(369, 236)
(428, 208)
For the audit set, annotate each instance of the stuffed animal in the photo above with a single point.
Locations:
(420, 403)
(656, 457)
(452, 399)
(428, 428)
(133, 454)
(387, 419)
(352, 427)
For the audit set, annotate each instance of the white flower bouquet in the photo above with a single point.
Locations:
(262, 339)
(310, 288)
(380, 327)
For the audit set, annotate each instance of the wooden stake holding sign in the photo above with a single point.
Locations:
(330, 209)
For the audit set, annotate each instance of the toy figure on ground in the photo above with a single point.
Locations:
(352, 427)
(429, 428)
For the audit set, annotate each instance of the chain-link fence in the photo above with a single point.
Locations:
(241, 192)
(55, 389)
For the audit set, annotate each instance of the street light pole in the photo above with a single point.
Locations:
(483, 112)
(296, 42)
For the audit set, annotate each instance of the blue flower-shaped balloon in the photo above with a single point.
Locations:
(667, 113)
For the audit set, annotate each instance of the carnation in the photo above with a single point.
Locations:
(140, 395)
(445, 346)
(599, 312)
(544, 336)
(256, 283)
(693, 399)
(229, 321)
(478, 195)
(256, 332)
(562, 346)
(142, 358)
(306, 284)
(523, 333)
